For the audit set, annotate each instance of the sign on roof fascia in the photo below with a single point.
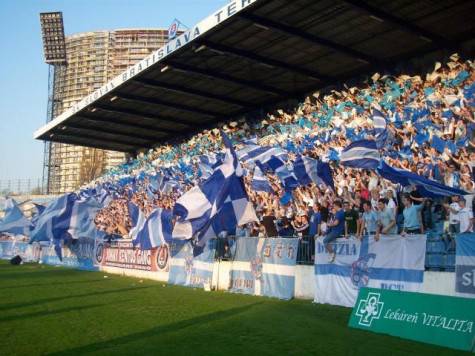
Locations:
(185, 38)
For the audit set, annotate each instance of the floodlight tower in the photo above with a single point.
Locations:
(54, 50)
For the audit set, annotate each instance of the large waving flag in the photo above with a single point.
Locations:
(380, 128)
(361, 154)
(55, 220)
(156, 231)
(427, 187)
(14, 222)
(81, 222)
(197, 207)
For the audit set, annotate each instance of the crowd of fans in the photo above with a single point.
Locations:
(431, 132)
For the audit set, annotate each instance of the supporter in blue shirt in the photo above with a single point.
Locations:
(411, 211)
(369, 220)
(336, 228)
(315, 221)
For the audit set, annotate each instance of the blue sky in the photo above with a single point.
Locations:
(24, 75)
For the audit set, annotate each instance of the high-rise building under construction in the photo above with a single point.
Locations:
(92, 59)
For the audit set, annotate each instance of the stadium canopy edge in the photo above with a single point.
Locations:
(255, 54)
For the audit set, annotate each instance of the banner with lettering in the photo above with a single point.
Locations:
(190, 271)
(435, 319)
(28, 252)
(123, 254)
(465, 265)
(394, 262)
(265, 267)
(80, 254)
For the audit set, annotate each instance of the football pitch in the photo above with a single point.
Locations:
(59, 311)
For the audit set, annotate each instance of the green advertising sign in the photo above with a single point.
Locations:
(430, 318)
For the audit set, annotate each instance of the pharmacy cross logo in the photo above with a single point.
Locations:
(369, 309)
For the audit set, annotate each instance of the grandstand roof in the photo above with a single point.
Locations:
(254, 54)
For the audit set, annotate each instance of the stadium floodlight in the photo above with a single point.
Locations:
(52, 30)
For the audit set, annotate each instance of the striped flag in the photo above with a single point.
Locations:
(361, 154)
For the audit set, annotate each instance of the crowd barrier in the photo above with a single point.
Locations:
(269, 267)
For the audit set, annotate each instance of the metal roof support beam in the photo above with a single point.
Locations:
(264, 60)
(108, 130)
(381, 15)
(230, 79)
(128, 126)
(296, 32)
(140, 114)
(153, 101)
(181, 89)
(97, 143)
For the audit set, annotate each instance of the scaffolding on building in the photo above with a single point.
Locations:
(91, 59)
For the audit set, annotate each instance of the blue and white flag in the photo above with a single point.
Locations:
(189, 270)
(393, 262)
(380, 128)
(55, 220)
(206, 170)
(306, 170)
(259, 182)
(465, 265)
(286, 176)
(253, 153)
(197, 207)
(265, 267)
(81, 222)
(325, 173)
(361, 154)
(427, 187)
(14, 222)
(137, 218)
(156, 231)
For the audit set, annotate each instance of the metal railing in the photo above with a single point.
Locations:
(226, 249)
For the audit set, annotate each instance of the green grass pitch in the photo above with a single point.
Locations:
(48, 310)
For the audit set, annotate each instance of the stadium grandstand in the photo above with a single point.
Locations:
(301, 121)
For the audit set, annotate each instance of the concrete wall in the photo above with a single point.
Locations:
(434, 282)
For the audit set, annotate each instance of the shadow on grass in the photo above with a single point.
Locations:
(159, 330)
(56, 299)
(51, 284)
(48, 312)
(34, 274)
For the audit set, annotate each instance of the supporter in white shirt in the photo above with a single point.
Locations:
(465, 217)
(391, 203)
(453, 209)
(373, 182)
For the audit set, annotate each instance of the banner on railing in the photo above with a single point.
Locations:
(122, 254)
(265, 267)
(79, 254)
(187, 270)
(394, 262)
(11, 248)
(465, 265)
